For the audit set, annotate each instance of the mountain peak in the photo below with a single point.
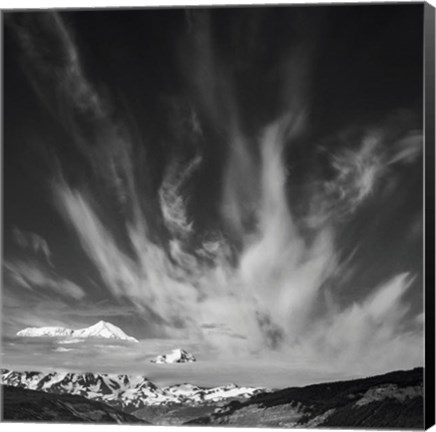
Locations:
(103, 329)
(102, 324)
(177, 355)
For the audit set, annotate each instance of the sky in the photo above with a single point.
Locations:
(246, 182)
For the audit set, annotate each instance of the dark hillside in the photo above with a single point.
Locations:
(392, 400)
(30, 405)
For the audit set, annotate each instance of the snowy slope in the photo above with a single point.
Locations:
(175, 356)
(102, 329)
(123, 391)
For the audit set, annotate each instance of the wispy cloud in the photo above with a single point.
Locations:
(370, 334)
(359, 167)
(34, 294)
(408, 148)
(32, 276)
(357, 172)
(171, 200)
(33, 242)
(115, 267)
(262, 286)
(51, 53)
(149, 279)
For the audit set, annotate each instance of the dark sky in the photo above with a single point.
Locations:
(247, 176)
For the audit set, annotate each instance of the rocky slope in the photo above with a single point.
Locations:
(393, 400)
(30, 405)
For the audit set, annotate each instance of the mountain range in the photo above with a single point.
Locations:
(102, 329)
(123, 391)
(393, 401)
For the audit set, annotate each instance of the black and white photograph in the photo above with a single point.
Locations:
(215, 216)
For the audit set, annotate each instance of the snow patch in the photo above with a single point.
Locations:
(123, 390)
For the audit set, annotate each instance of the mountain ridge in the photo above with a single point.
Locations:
(123, 391)
(391, 400)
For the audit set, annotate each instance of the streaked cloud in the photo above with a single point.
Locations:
(33, 242)
(32, 276)
(357, 172)
(362, 168)
(171, 200)
(256, 282)
(370, 334)
(59, 58)
(408, 148)
(115, 267)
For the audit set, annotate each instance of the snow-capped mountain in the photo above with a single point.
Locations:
(123, 391)
(175, 356)
(102, 329)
